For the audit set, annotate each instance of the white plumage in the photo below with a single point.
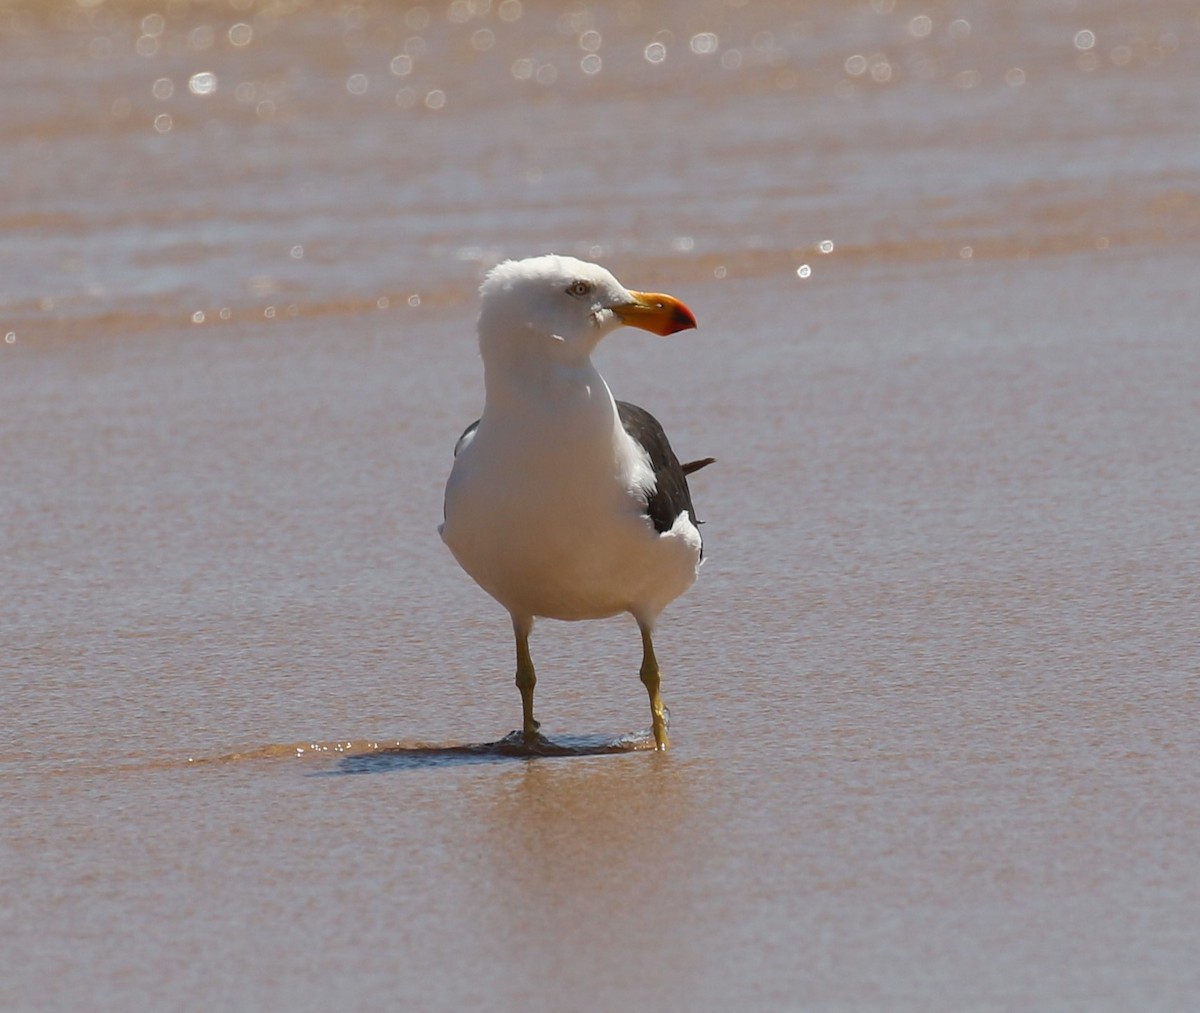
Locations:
(562, 502)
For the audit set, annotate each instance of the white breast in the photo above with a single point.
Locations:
(545, 509)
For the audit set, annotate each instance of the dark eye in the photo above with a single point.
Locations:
(579, 288)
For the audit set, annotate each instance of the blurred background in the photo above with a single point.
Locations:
(219, 160)
(934, 695)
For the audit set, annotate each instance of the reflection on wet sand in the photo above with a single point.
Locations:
(597, 864)
(370, 756)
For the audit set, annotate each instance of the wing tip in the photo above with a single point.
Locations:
(694, 466)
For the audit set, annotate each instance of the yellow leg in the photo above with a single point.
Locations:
(650, 678)
(526, 680)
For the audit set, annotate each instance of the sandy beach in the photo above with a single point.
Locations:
(934, 696)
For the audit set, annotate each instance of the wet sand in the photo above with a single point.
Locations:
(934, 697)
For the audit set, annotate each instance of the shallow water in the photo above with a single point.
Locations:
(933, 699)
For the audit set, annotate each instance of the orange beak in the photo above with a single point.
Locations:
(657, 313)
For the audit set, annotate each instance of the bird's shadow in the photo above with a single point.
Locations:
(512, 747)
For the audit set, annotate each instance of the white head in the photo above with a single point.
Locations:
(560, 307)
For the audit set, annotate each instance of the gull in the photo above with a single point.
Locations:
(562, 502)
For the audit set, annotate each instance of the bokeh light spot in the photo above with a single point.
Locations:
(201, 38)
(960, 28)
(204, 83)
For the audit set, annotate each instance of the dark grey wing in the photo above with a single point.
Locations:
(671, 495)
(467, 436)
